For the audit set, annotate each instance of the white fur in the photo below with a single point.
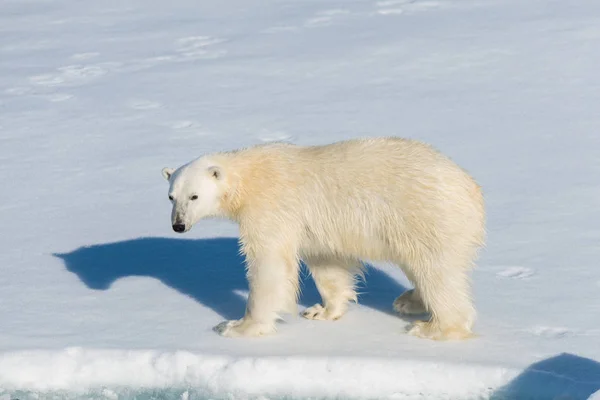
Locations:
(201, 179)
(378, 199)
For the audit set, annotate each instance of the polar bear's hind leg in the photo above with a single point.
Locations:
(446, 294)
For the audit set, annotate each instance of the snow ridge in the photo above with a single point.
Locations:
(101, 373)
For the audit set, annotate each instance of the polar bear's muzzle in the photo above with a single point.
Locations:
(180, 223)
(179, 228)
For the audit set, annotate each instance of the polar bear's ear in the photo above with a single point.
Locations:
(215, 172)
(167, 172)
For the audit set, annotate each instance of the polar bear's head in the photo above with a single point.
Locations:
(195, 190)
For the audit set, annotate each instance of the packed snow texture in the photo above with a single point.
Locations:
(101, 298)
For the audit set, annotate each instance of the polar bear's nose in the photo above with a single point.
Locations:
(179, 227)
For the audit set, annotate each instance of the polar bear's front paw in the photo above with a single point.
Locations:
(243, 327)
(322, 313)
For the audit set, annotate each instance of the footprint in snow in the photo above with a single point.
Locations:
(183, 125)
(144, 105)
(428, 4)
(281, 28)
(188, 128)
(325, 18)
(390, 11)
(84, 56)
(22, 91)
(59, 97)
(388, 3)
(74, 74)
(516, 273)
(396, 7)
(551, 332)
(390, 7)
(275, 137)
(194, 47)
(18, 91)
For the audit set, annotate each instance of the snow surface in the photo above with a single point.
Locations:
(100, 298)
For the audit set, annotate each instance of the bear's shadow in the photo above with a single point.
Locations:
(211, 271)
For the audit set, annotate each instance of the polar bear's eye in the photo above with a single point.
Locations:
(170, 197)
(194, 197)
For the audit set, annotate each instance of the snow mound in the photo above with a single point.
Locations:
(97, 373)
(77, 372)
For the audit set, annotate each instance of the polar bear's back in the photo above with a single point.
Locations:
(370, 196)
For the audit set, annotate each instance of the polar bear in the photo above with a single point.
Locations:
(333, 206)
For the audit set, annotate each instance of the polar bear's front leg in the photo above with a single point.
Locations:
(335, 280)
(273, 286)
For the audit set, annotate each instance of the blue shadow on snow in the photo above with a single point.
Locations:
(207, 270)
(562, 377)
